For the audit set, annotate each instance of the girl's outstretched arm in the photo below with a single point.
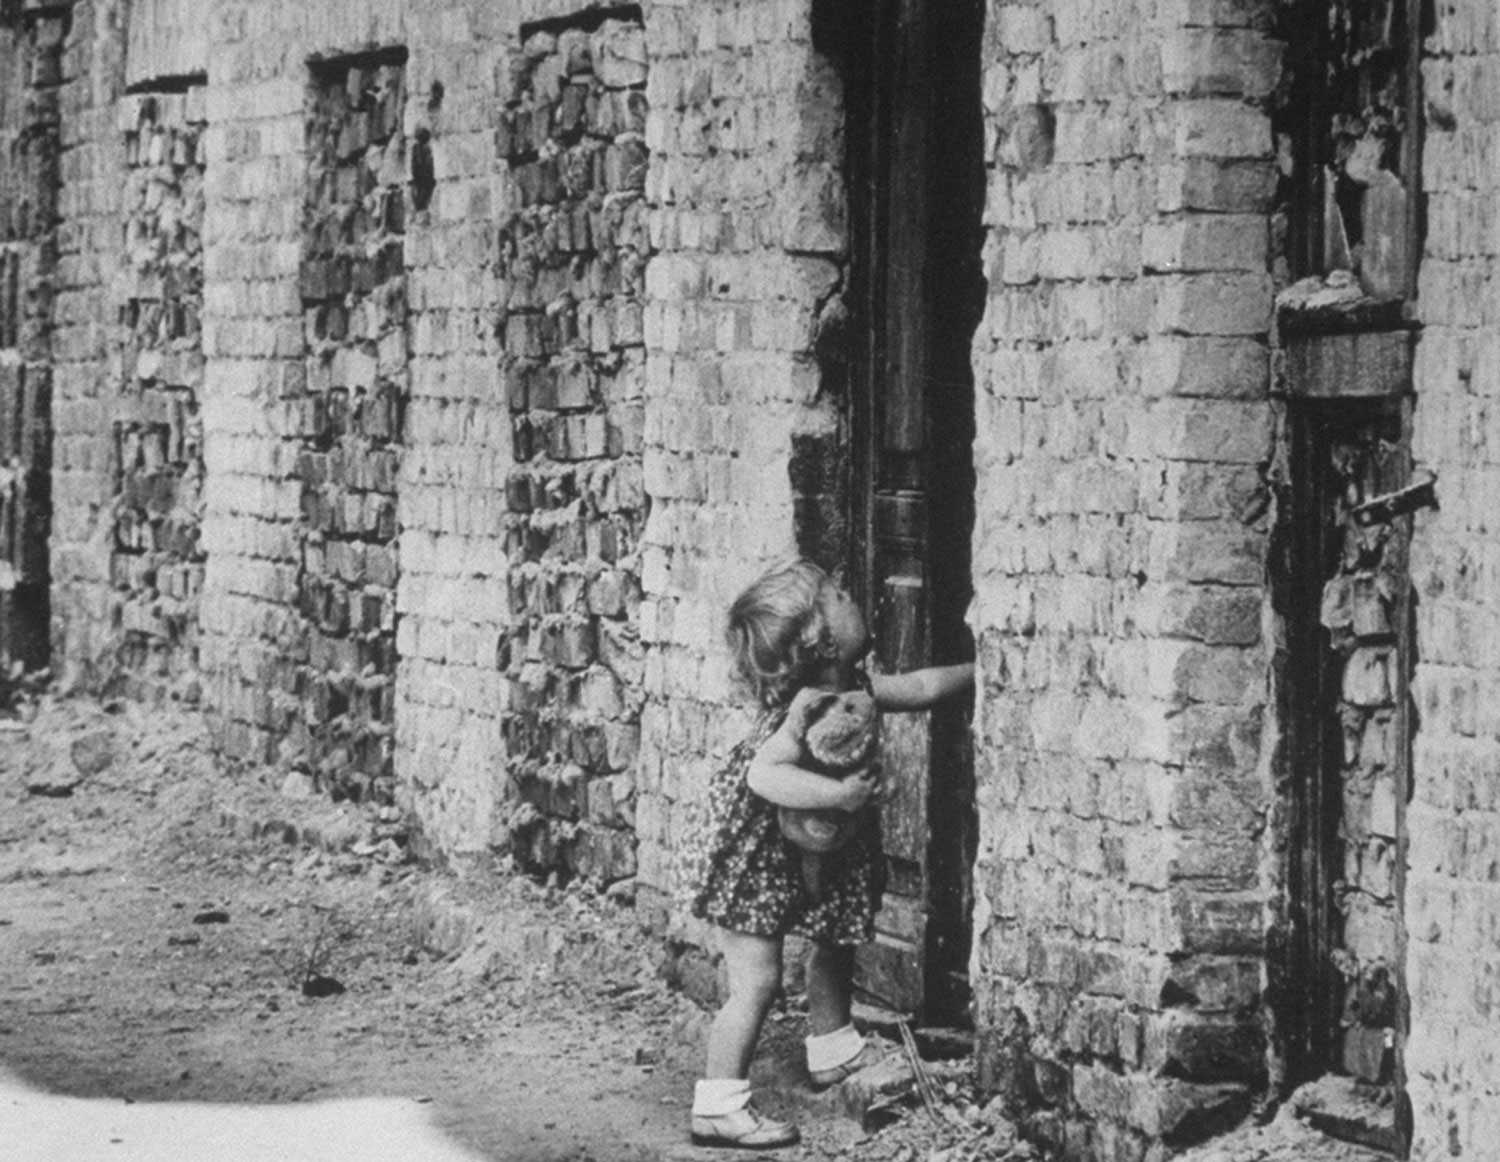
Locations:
(919, 689)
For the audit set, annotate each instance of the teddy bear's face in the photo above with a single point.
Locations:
(842, 729)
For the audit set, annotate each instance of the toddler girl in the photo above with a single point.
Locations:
(792, 632)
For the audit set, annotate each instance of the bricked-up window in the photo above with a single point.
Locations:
(572, 253)
(31, 47)
(1347, 138)
(354, 302)
(157, 563)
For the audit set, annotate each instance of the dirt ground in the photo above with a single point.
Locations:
(171, 933)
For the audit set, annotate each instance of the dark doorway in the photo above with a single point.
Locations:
(917, 183)
(31, 49)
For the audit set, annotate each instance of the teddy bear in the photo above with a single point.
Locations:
(840, 735)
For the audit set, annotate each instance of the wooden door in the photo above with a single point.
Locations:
(1348, 714)
(916, 161)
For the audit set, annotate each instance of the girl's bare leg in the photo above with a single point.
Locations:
(830, 987)
(754, 966)
(835, 1048)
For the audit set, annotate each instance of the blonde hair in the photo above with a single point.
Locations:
(777, 633)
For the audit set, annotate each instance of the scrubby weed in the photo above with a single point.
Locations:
(310, 961)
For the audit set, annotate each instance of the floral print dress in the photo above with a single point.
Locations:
(739, 872)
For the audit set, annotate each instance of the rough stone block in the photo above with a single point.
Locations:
(1227, 129)
(1214, 242)
(1213, 431)
(1184, 1112)
(1212, 62)
(1214, 304)
(1219, 925)
(1205, 1049)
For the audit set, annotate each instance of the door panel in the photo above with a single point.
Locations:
(1349, 734)
(919, 294)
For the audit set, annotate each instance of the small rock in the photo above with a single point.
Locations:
(184, 941)
(874, 1085)
(212, 916)
(389, 851)
(46, 788)
(1003, 1132)
(319, 985)
(57, 779)
(619, 54)
(298, 785)
(622, 892)
(94, 752)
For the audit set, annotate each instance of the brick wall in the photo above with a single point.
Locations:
(610, 414)
(451, 600)
(89, 253)
(1118, 557)
(309, 515)
(748, 236)
(744, 207)
(722, 318)
(128, 366)
(252, 635)
(1452, 907)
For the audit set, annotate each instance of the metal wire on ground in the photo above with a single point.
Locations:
(919, 1072)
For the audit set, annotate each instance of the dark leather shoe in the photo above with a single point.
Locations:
(870, 1055)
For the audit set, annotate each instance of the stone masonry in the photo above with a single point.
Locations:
(1118, 558)
(1452, 907)
(87, 342)
(748, 227)
(511, 366)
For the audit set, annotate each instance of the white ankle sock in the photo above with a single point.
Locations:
(713, 1097)
(830, 1050)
